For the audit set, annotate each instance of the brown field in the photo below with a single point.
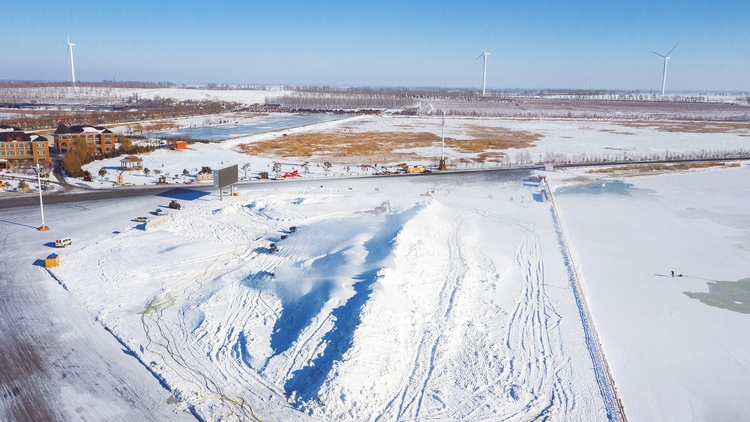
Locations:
(346, 146)
(615, 132)
(663, 167)
(692, 127)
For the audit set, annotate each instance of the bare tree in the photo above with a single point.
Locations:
(327, 167)
(246, 168)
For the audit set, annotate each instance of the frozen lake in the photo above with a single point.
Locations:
(241, 127)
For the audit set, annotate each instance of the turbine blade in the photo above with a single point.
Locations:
(670, 51)
(658, 54)
(480, 56)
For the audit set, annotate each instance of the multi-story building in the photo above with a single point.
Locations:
(18, 148)
(101, 140)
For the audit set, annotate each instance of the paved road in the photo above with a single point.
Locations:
(79, 194)
(177, 191)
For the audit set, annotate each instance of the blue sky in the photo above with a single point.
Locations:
(532, 44)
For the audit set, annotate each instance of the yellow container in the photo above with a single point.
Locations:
(52, 261)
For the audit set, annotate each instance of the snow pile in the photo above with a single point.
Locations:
(452, 306)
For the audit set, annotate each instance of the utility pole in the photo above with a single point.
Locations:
(442, 166)
(43, 227)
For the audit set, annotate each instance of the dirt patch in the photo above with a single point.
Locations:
(495, 138)
(663, 167)
(334, 145)
(348, 146)
(615, 132)
(692, 127)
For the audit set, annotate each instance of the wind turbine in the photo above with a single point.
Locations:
(72, 66)
(666, 59)
(484, 75)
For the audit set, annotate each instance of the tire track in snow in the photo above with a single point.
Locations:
(420, 374)
(192, 369)
(531, 376)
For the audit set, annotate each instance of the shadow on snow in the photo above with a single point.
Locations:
(307, 381)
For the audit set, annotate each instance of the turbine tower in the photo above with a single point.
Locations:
(484, 75)
(666, 59)
(72, 66)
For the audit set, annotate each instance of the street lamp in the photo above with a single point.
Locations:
(43, 227)
(442, 148)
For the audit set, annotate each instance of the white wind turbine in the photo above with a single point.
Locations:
(666, 59)
(484, 75)
(72, 66)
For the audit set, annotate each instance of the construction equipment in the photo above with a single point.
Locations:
(384, 207)
(175, 205)
(416, 169)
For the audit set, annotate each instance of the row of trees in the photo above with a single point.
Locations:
(81, 153)
(84, 84)
(613, 115)
(526, 158)
(328, 101)
(49, 119)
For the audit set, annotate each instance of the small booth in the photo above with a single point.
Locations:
(52, 261)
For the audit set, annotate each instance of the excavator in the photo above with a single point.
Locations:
(383, 208)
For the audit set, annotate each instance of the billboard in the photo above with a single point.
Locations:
(226, 176)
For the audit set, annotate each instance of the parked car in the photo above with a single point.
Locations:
(63, 242)
(159, 211)
(141, 219)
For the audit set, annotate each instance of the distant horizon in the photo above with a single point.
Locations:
(425, 88)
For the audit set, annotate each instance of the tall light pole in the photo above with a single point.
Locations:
(442, 148)
(43, 227)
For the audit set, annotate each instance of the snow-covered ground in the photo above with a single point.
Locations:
(452, 305)
(244, 96)
(65, 97)
(679, 347)
(560, 139)
(458, 302)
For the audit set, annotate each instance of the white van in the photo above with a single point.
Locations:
(63, 242)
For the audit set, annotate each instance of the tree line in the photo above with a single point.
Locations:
(151, 110)
(81, 153)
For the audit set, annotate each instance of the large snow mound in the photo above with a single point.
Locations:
(451, 304)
